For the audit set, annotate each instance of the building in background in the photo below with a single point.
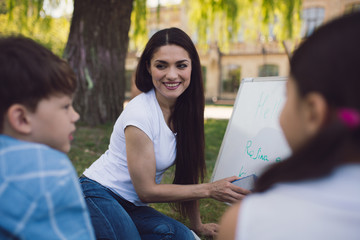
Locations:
(224, 71)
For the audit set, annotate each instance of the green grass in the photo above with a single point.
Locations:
(91, 142)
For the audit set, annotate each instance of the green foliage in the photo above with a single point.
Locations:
(221, 20)
(28, 18)
(138, 30)
(217, 21)
(289, 19)
(214, 20)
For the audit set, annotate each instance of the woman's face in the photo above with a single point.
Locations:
(293, 118)
(170, 69)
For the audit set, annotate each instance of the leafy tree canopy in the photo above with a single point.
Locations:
(29, 19)
(218, 21)
(222, 21)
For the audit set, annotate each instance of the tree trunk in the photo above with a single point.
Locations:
(96, 50)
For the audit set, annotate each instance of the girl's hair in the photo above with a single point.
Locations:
(29, 73)
(188, 115)
(326, 63)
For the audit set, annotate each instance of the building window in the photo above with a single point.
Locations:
(231, 75)
(312, 18)
(354, 7)
(268, 70)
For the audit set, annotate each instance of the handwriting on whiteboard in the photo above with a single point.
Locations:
(257, 153)
(268, 107)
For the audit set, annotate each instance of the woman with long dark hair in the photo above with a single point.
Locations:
(160, 127)
(315, 194)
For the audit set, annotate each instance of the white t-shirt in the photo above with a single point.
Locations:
(111, 169)
(328, 208)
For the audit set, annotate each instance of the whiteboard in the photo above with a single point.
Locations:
(253, 139)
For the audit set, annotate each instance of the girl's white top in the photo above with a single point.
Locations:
(327, 208)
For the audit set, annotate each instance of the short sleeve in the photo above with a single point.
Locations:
(140, 113)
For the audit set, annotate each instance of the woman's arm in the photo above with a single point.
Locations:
(142, 168)
(228, 223)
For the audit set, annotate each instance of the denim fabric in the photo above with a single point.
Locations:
(115, 218)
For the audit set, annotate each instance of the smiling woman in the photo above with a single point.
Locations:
(170, 69)
(161, 127)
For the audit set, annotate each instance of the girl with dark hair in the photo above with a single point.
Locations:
(160, 127)
(315, 194)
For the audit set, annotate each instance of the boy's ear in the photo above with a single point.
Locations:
(316, 112)
(18, 118)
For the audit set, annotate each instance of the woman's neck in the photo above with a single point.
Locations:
(165, 103)
(167, 107)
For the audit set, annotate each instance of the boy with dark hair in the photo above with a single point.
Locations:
(40, 197)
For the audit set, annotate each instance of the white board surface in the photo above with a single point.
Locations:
(253, 139)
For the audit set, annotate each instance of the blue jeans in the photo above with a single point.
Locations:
(115, 218)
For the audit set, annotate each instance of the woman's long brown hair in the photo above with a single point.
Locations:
(188, 116)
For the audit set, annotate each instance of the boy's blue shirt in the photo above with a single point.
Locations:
(40, 196)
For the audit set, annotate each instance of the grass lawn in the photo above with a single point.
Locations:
(90, 143)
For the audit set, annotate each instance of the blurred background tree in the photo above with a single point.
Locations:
(97, 49)
(98, 40)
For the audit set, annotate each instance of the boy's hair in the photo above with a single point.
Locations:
(29, 73)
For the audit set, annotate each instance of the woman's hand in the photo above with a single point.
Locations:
(208, 229)
(223, 190)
